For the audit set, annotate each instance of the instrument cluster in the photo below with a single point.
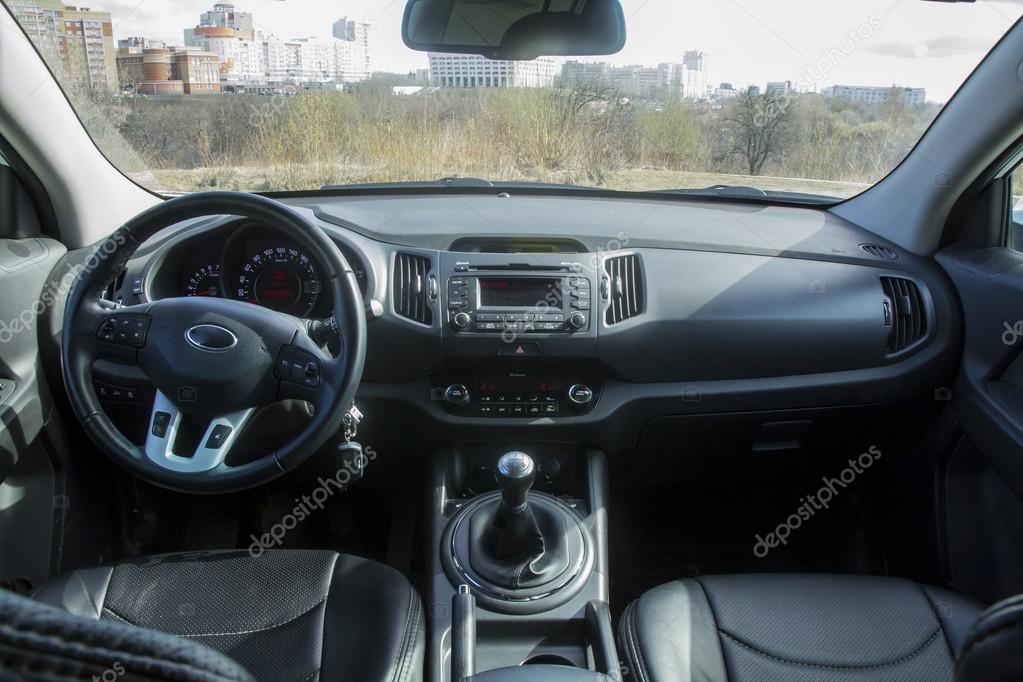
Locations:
(255, 264)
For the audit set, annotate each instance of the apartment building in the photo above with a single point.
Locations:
(77, 42)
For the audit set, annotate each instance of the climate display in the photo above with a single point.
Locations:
(519, 292)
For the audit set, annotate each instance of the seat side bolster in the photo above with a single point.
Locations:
(82, 592)
(670, 634)
(389, 612)
(993, 650)
(955, 613)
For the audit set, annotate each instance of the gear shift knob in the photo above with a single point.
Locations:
(515, 475)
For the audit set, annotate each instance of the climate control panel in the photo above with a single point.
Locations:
(515, 395)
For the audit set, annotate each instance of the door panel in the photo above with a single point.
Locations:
(29, 287)
(984, 479)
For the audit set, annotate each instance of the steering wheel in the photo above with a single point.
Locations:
(214, 361)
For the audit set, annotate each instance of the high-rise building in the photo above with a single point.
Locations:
(77, 43)
(778, 88)
(353, 60)
(696, 74)
(877, 94)
(473, 71)
(250, 57)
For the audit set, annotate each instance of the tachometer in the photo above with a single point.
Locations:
(281, 278)
(204, 282)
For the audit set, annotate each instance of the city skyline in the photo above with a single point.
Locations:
(922, 44)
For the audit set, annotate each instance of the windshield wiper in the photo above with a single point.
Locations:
(749, 192)
(454, 183)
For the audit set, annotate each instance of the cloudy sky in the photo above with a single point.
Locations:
(814, 43)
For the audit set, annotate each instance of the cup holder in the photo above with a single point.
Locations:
(548, 659)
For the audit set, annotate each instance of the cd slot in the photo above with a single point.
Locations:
(519, 267)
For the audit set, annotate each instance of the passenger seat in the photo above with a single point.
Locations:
(813, 627)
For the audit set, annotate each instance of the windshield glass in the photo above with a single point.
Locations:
(801, 96)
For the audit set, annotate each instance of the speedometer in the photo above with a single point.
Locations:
(281, 278)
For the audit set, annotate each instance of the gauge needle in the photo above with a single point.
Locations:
(208, 292)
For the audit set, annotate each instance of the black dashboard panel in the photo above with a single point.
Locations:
(745, 306)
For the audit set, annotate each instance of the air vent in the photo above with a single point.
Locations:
(878, 251)
(412, 287)
(625, 286)
(904, 312)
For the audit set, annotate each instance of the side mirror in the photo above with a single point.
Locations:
(515, 29)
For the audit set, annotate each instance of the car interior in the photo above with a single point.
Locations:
(468, 429)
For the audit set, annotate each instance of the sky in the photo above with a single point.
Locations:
(813, 43)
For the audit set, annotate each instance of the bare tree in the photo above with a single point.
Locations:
(757, 127)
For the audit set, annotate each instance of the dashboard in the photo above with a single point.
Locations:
(573, 314)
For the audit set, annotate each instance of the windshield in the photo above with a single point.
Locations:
(801, 96)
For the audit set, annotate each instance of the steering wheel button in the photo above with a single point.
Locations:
(217, 438)
(161, 420)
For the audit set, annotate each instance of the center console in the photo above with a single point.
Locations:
(517, 546)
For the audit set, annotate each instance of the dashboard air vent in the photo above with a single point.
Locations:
(878, 251)
(625, 286)
(411, 287)
(904, 313)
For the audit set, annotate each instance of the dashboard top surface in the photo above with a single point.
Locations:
(436, 221)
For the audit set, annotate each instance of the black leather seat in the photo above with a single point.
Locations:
(796, 627)
(286, 615)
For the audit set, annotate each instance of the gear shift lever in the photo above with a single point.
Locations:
(519, 542)
(515, 475)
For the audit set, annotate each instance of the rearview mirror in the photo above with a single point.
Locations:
(515, 29)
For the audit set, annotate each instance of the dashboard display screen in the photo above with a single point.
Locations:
(519, 292)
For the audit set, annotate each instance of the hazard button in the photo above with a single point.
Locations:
(520, 349)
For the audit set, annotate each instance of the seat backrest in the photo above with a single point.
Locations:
(993, 651)
(40, 642)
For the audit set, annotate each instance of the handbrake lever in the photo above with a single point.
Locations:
(463, 634)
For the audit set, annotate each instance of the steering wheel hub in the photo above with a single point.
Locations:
(210, 354)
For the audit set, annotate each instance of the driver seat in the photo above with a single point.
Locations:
(283, 615)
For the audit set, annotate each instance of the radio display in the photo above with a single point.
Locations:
(519, 292)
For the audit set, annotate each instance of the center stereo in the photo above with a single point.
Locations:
(519, 301)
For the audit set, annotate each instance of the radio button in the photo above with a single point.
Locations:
(580, 394)
(489, 317)
(456, 394)
(521, 349)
